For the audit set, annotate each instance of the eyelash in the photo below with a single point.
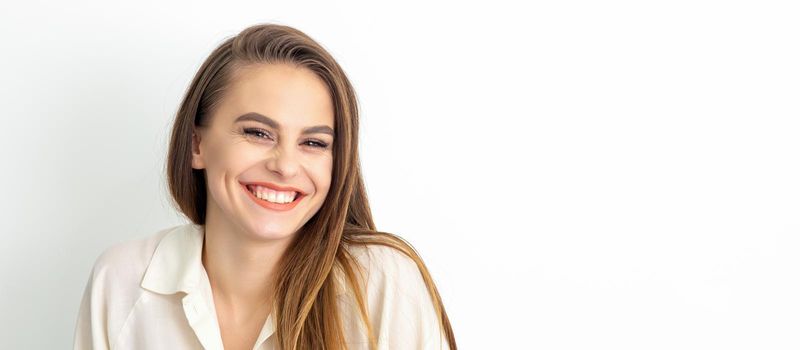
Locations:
(254, 132)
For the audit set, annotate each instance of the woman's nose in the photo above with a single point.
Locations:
(283, 161)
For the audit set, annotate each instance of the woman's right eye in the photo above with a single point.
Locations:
(258, 133)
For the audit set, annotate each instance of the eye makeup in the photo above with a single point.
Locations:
(259, 133)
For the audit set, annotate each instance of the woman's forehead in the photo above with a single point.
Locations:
(288, 95)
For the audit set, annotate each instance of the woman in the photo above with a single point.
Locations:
(281, 251)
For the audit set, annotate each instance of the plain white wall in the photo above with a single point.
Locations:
(576, 174)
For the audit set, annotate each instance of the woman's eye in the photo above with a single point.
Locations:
(257, 133)
(318, 144)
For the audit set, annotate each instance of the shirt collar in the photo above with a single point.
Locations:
(176, 262)
(177, 266)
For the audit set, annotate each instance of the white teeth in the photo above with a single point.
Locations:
(279, 197)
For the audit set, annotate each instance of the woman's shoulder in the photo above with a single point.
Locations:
(389, 273)
(122, 264)
(399, 304)
(125, 255)
(113, 288)
(385, 263)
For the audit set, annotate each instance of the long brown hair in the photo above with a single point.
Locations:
(305, 307)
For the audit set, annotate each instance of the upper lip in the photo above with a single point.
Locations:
(273, 186)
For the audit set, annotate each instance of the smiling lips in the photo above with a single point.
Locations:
(270, 196)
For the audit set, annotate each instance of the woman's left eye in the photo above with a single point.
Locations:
(316, 143)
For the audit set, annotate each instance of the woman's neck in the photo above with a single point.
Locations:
(240, 269)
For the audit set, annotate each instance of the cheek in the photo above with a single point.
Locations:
(232, 157)
(225, 161)
(323, 172)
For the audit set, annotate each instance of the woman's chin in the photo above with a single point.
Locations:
(271, 233)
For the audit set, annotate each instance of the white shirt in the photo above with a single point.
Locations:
(153, 293)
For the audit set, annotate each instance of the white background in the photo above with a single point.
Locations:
(576, 174)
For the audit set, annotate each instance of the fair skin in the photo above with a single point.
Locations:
(245, 240)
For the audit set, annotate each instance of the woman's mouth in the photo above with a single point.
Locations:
(271, 199)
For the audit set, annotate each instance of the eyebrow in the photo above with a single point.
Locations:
(256, 117)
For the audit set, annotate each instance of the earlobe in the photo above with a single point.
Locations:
(197, 159)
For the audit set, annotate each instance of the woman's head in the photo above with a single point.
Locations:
(278, 72)
(273, 128)
(223, 139)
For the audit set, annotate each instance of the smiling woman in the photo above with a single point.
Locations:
(281, 251)
(252, 162)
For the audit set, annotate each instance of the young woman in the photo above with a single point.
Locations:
(281, 251)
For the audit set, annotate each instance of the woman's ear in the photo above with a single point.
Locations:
(197, 158)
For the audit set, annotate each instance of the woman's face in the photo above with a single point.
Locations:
(273, 128)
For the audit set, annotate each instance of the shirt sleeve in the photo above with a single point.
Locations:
(401, 307)
(108, 299)
(90, 328)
